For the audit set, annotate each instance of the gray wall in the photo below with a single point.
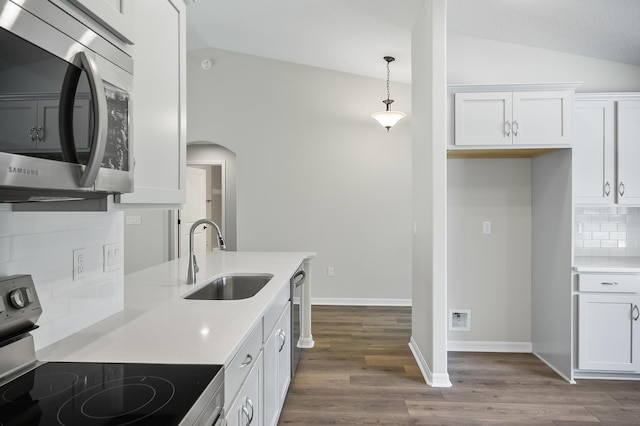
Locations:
(314, 171)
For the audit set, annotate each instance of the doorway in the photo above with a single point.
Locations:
(219, 165)
(205, 198)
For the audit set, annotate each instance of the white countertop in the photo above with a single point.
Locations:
(607, 264)
(158, 326)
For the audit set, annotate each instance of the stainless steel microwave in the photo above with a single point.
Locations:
(65, 107)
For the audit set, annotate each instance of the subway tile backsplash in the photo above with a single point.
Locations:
(41, 244)
(607, 231)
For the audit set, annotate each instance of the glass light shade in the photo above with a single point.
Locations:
(388, 119)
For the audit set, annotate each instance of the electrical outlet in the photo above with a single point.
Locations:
(111, 254)
(79, 263)
(330, 271)
(486, 227)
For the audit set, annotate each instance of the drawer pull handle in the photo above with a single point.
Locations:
(636, 312)
(248, 360)
(507, 128)
(246, 413)
(609, 283)
(607, 189)
(250, 404)
(283, 338)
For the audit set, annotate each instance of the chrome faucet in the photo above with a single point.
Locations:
(193, 265)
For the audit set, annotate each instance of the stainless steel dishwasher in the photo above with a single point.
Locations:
(297, 281)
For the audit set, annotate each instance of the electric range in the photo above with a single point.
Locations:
(87, 394)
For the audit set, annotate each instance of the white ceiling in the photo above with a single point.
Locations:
(354, 35)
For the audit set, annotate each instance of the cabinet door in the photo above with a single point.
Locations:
(115, 15)
(593, 152)
(628, 126)
(542, 118)
(159, 106)
(48, 129)
(483, 118)
(608, 337)
(277, 368)
(18, 124)
(246, 409)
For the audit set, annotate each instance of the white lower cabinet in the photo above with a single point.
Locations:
(247, 408)
(608, 334)
(257, 378)
(277, 367)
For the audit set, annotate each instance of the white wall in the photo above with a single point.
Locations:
(41, 244)
(429, 197)
(146, 243)
(478, 61)
(473, 60)
(490, 274)
(314, 171)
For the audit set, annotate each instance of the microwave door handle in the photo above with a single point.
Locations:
(99, 105)
(99, 136)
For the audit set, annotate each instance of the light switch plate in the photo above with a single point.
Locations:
(112, 254)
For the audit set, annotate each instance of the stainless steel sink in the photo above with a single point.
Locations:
(231, 287)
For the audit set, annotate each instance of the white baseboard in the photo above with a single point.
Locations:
(440, 380)
(360, 302)
(481, 346)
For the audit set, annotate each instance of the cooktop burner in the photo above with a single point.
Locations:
(88, 394)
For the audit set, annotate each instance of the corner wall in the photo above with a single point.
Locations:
(429, 177)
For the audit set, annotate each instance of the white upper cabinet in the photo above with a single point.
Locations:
(594, 152)
(529, 117)
(117, 16)
(606, 148)
(628, 131)
(159, 103)
(483, 118)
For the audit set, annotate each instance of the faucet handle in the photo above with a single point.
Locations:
(196, 269)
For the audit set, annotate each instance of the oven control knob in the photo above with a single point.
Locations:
(17, 299)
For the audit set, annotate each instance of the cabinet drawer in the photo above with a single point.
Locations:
(275, 310)
(242, 363)
(609, 283)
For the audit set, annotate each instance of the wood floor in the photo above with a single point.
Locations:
(362, 372)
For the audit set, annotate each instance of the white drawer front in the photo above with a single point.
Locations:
(242, 363)
(609, 283)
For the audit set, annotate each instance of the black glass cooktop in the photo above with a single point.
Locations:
(88, 394)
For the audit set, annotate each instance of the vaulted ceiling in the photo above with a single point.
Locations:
(353, 35)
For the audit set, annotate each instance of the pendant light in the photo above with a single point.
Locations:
(388, 118)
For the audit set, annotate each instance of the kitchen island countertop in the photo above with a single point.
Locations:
(158, 326)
